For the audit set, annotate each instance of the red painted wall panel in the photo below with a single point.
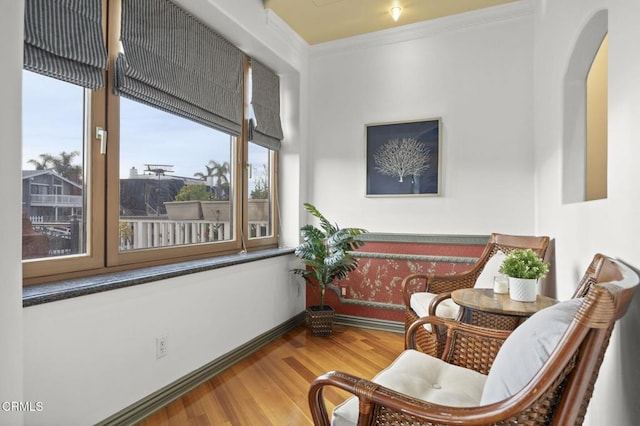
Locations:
(374, 290)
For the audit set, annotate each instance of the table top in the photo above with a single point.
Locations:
(483, 299)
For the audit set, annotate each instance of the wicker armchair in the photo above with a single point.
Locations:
(556, 389)
(423, 294)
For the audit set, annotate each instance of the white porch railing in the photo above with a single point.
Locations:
(56, 200)
(149, 232)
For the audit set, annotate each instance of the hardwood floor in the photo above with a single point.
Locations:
(270, 386)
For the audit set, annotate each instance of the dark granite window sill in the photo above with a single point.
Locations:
(51, 292)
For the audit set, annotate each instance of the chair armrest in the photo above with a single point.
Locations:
(438, 283)
(466, 345)
(368, 393)
(410, 334)
(440, 297)
(413, 283)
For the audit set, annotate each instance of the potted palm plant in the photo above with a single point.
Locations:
(326, 254)
(524, 268)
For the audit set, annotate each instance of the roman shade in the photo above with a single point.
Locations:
(265, 129)
(63, 39)
(174, 62)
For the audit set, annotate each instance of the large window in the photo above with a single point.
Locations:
(116, 179)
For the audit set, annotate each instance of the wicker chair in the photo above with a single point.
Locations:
(555, 391)
(419, 290)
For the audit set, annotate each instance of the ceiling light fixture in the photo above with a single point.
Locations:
(395, 12)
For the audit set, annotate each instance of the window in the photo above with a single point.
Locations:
(260, 194)
(176, 180)
(114, 178)
(53, 181)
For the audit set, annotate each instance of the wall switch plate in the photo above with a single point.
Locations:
(344, 291)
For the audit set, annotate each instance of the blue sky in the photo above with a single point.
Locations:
(52, 123)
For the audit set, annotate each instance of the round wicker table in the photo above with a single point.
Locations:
(485, 308)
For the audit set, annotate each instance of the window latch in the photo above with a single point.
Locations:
(102, 135)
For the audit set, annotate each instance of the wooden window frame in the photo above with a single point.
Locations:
(103, 198)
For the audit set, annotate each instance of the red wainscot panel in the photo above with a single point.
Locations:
(374, 290)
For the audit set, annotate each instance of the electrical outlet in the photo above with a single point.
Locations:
(161, 346)
(344, 291)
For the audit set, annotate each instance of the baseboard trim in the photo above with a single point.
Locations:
(138, 411)
(376, 324)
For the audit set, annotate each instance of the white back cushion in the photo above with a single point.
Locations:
(526, 350)
(491, 269)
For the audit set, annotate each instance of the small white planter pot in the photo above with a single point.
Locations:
(523, 289)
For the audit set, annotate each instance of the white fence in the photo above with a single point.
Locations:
(148, 232)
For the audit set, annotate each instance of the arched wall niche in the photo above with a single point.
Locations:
(574, 147)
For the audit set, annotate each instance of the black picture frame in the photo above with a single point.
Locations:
(394, 150)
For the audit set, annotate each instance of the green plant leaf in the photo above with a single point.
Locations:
(524, 263)
(325, 251)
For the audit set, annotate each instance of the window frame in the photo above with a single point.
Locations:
(103, 198)
(46, 269)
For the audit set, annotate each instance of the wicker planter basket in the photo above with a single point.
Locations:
(320, 320)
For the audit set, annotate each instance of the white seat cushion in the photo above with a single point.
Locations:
(420, 304)
(424, 377)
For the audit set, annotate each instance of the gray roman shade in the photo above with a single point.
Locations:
(63, 39)
(174, 62)
(266, 129)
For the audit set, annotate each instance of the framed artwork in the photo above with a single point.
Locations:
(403, 158)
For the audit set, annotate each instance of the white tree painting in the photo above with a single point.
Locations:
(402, 157)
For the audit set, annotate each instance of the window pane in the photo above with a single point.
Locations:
(176, 183)
(53, 181)
(260, 194)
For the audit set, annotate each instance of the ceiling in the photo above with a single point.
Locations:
(318, 21)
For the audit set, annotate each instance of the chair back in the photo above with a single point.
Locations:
(601, 270)
(560, 391)
(608, 290)
(506, 244)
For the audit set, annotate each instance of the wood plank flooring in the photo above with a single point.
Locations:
(270, 386)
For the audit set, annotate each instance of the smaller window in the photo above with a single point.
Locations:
(260, 194)
(54, 196)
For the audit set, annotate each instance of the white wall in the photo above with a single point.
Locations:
(609, 226)
(89, 357)
(11, 20)
(474, 71)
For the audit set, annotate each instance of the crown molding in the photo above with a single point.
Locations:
(286, 34)
(520, 9)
